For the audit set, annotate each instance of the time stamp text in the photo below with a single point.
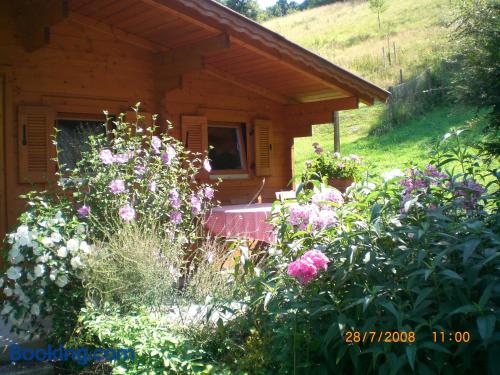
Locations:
(367, 337)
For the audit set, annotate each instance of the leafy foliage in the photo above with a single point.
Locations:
(418, 254)
(477, 37)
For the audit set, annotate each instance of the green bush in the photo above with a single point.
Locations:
(414, 254)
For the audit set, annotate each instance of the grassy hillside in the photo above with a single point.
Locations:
(348, 34)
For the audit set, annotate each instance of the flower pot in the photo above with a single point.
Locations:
(340, 183)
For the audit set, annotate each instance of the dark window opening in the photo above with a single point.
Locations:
(227, 150)
(72, 139)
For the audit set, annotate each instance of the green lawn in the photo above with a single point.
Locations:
(407, 144)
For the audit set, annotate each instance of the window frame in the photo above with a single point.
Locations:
(242, 147)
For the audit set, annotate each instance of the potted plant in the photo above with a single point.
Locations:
(338, 171)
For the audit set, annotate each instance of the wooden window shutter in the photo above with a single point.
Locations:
(195, 133)
(263, 147)
(36, 127)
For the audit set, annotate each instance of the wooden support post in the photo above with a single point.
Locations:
(336, 132)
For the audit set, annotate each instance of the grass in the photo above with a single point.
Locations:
(347, 33)
(408, 144)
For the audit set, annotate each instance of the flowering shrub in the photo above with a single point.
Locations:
(414, 252)
(46, 256)
(130, 174)
(331, 165)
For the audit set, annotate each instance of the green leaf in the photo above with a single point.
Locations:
(433, 346)
(452, 275)
(423, 295)
(486, 294)
(469, 247)
(464, 310)
(486, 326)
(411, 353)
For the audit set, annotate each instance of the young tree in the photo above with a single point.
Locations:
(379, 7)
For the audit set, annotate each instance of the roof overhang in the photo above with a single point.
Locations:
(204, 35)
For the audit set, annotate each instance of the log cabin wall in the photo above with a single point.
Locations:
(83, 71)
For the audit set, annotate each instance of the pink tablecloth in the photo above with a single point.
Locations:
(242, 221)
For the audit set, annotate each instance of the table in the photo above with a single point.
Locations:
(242, 221)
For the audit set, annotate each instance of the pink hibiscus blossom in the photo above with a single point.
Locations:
(328, 195)
(195, 204)
(156, 144)
(174, 198)
(127, 213)
(84, 211)
(169, 155)
(117, 186)
(122, 158)
(209, 192)
(106, 157)
(176, 217)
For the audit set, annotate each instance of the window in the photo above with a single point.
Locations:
(227, 150)
(72, 136)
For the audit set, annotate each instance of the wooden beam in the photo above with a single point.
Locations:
(33, 19)
(228, 77)
(318, 112)
(120, 35)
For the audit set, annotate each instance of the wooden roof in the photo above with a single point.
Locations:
(254, 55)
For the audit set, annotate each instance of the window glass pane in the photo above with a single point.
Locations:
(72, 139)
(227, 151)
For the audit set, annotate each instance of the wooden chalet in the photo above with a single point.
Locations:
(221, 79)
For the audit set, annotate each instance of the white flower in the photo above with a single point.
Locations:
(7, 308)
(76, 262)
(80, 229)
(1, 282)
(59, 217)
(72, 245)
(43, 224)
(30, 277)
(15, 255)
(389, 175)
(40, 291)
(62, 281)
(84, 246)
(8, 291)
(56, 237)
(35, 309)
(47, 242)
(62, 252)
(14, 273)
(53, 274)
(39, 270)
(43, 258)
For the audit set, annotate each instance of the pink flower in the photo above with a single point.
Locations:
(176, 217)
(317, 258)
(156, 144)
(207, 166)
(302, 270)
(470, 190)
(308, 265)
(318, 150)
(169, 155)
(122, 158)
(328, 195)
(336, 155)
(84, 211)
(355, 158)
(117, 186)
(432, 171)
(341, 165)
(140, 171)
(152, 186)
(195, 204)
(174, 198)
(324, 219)
(106, 157)
(127, 213)
(209, 192)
